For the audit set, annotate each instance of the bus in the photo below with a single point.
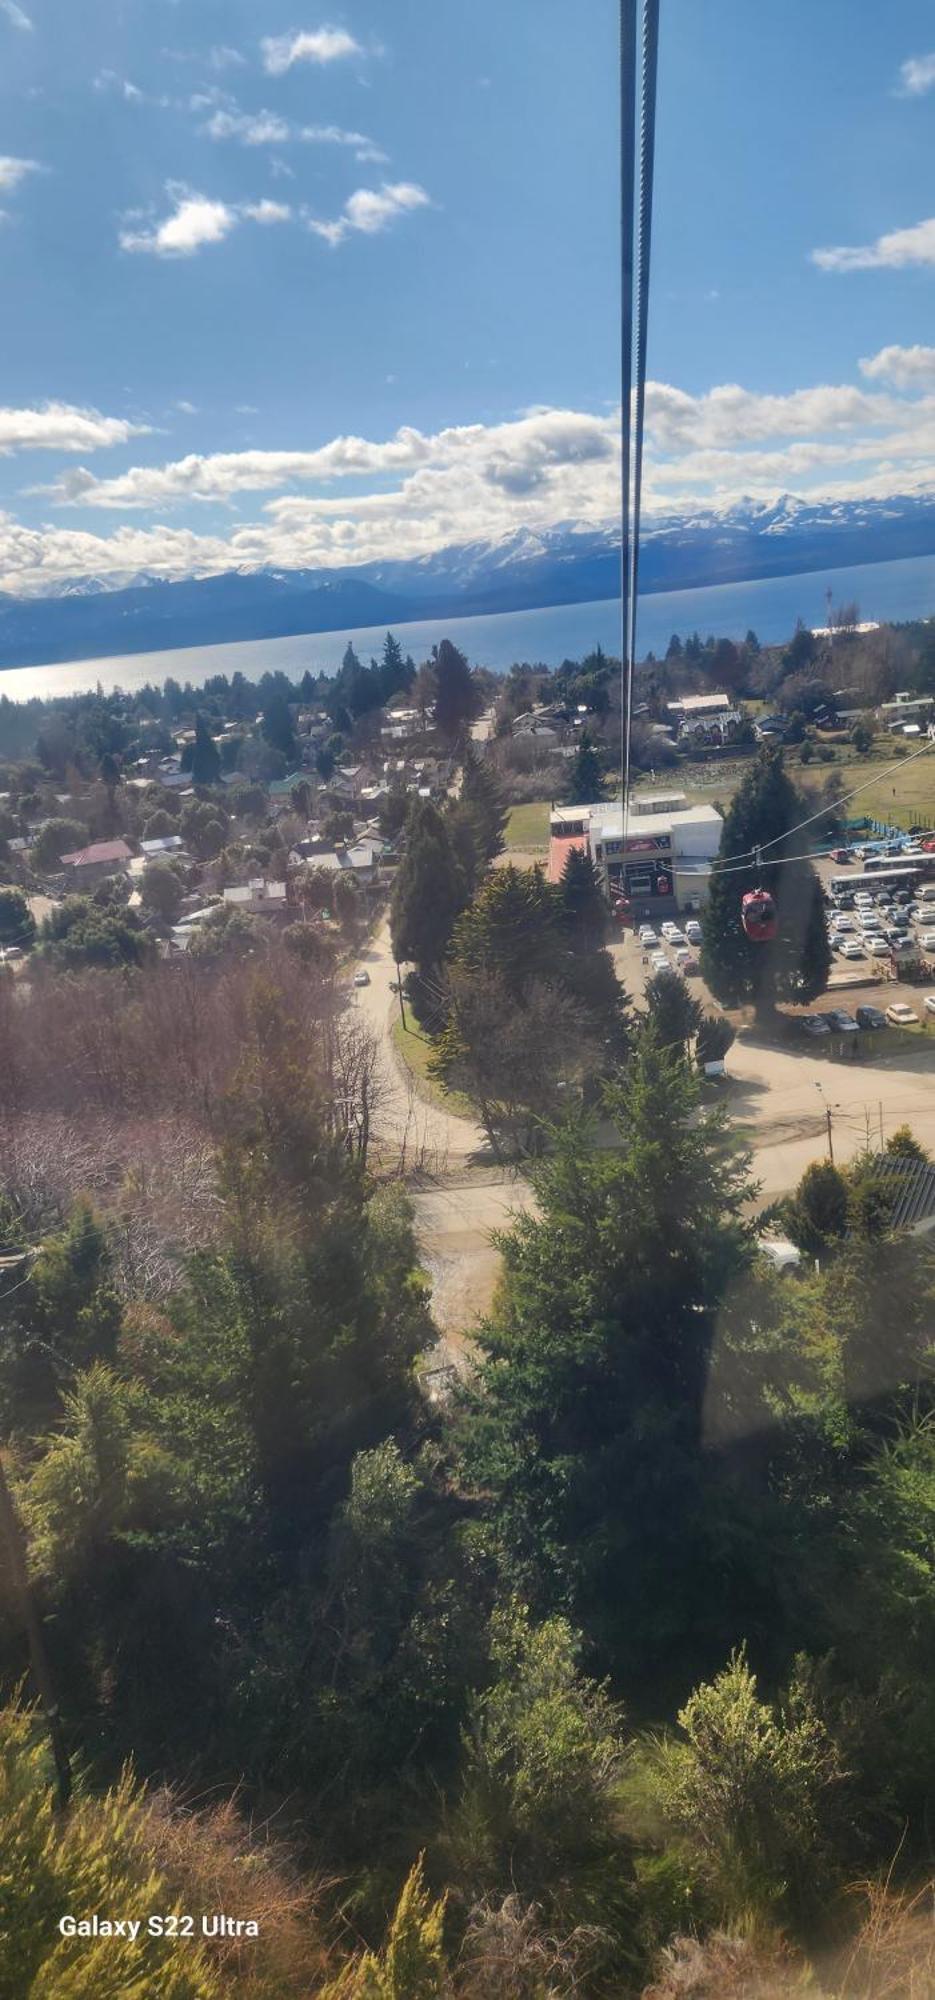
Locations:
(889, 875)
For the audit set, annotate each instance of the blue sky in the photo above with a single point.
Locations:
(297, 286)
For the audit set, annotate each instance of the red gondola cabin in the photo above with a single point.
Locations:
(758, 916)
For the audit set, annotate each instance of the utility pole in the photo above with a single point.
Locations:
(16, 1557)
(399, 989)
(827, 1120)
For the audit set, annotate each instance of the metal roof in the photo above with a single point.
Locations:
(913, 1188)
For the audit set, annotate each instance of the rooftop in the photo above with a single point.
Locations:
(99, 853)
(912, 1183)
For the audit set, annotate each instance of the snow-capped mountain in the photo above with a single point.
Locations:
(566, 564)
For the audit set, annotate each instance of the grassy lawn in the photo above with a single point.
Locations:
(905, 797)
(528, 825)
(414, 1050)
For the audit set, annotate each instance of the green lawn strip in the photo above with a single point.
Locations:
(414, 1050)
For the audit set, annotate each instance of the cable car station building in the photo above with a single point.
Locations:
(666, 863)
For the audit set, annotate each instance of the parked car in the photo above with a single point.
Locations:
(840, 1022)
(362, 978)
(840, 855)
(659, 962)
(648, 937)
(869, 1017)
(814, 1025)
(851, 948)
(929, 1003)
(878, 947)
(667, 929)
(693, 931)
(902, 1016)
(927, 940)
(676, 937)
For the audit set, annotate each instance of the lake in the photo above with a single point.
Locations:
(770, 605)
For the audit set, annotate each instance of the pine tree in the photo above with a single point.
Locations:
(795, 964)
(277, 726)
(428, 894)
(485, 806)
(585, 1425)
(456, 700)
(206, 761)
(584, 778)
(584, 911)
(392, 669)
(675, 1013)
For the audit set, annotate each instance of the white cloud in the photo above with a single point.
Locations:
(16, 16)
(916, 76)
(260, 128)
(267, 211)
(12, 171)
(63, 427)
(269, 128)
(905, 367)
(894, 251)
(194, 221)
(187, 409)
(370, 210)
(318, 45)
(108, 79)
(223, 57)
(354, 499)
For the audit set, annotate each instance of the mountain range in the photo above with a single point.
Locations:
(99, 616)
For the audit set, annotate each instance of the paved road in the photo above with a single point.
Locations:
(778, 1097)
(427, 1136)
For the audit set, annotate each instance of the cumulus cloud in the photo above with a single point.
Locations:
(267, 211)
(63, 427)
(317, 45)
(223, 57)
(16, 16)
(895, 251)
(370, 210)
(916, 76)
(354, 499)
(905, 367)
(193, 222)
(13, 170)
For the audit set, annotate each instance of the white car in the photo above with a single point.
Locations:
(851, 948)
(668, 930)
(648, 936)
(659, 962)
(676, 937)
(927, 940)
(878, 947)
(362, 978)
(686, 960)
(844, 922)
(929, 1003)
(901, 1015)
(693, 931)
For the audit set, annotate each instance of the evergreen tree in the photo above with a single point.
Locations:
(392, 669)
(795, 964)
(277, 726)
(428, 893)
(584, 911)
(585, 784)
(206, 760)
(17, 923)
(584, 1428)
(675, 1013)
(510, 929)
(484, 805)
(456, 699)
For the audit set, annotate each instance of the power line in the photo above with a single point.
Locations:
(752, 852)
(628, 41)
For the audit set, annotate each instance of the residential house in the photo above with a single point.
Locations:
(88, 865)
(259, 898)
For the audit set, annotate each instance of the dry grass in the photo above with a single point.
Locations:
(894, 1955)
(721, 1967)
(214, 1862)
